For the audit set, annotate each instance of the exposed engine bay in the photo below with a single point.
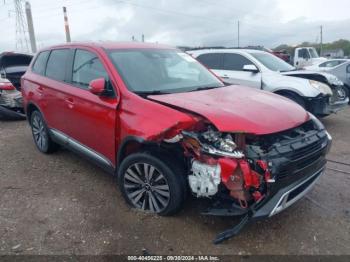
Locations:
(242, 166)
(253, 176)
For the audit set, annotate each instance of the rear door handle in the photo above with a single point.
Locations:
(70, 102)
(40, 90)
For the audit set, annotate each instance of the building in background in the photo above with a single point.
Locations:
(333, 53)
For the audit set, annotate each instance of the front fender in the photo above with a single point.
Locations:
(300, 86)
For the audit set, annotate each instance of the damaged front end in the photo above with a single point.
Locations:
(254, 176)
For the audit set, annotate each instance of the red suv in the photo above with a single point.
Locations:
(165, 125)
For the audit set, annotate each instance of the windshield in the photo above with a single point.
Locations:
(313, 53)
(272, 62)
(161, 71)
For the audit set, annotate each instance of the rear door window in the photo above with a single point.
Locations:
(212, 60)
(40, 63)
(87, 67)
(235, 62)
(57, 64)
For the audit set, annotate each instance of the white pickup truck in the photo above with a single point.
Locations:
(306, 56)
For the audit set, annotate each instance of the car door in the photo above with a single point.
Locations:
(52, 88)
(91, 119)
(233, 72)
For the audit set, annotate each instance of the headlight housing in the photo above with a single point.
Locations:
(323, 88)
(215, 143)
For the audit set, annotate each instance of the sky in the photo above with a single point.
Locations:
(182, 22)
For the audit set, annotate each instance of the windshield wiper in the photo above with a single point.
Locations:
(205, 88)
(284, 71)
(151, 92)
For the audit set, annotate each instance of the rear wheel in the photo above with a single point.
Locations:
(41, 134)
(151, 184)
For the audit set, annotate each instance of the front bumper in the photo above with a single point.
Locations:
(287, 196)
(326, 105)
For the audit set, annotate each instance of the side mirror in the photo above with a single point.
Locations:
(97, 86)
(250, 68)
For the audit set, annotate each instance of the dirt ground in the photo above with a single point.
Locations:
(61, 204)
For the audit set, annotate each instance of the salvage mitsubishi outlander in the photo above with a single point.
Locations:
(166, 126)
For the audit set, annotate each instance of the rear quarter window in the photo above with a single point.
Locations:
(57, 63)
(40, 63)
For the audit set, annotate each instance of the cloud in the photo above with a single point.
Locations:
(180, 22)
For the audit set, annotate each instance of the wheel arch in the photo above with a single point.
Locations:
(133, 144)
(31, 107)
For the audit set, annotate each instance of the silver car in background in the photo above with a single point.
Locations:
(338, 67)
(320, 93)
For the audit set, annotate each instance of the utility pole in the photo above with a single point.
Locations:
(143, 38)
(66, 24)
(21, 37)
(321, 43)
(238, 34)
(30, 27)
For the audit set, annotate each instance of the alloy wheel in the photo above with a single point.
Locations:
(39, 132)
(146, 187)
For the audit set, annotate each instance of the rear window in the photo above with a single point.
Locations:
(56, 65)
(40, 63)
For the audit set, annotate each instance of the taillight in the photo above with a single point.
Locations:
(6, 86)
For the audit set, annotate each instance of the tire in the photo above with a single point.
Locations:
(347, 91)
(296, 98)
(41, 134)
(162, 191)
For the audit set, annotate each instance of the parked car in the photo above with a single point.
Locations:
(318, 92)
(165, 125)
(12, 67)
(338, 67)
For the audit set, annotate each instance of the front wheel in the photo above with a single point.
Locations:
(151, 184)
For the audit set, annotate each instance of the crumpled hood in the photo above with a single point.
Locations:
(332, 79)
(239, 109)
(306, 72)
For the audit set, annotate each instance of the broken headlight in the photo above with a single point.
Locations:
(216, 143)
(323, 88)
(219, 141)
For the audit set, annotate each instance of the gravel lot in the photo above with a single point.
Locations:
(62, 204)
